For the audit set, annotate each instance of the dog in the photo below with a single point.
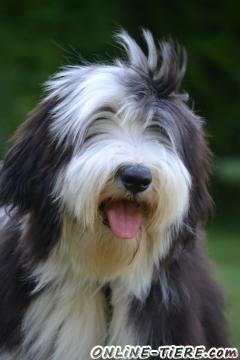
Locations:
(103, 203)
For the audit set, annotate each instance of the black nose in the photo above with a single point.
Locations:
(135, 178)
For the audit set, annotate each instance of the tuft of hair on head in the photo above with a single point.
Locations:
(165, 62)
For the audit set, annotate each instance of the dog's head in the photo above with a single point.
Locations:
(112, 162)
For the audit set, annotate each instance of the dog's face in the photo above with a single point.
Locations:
(121, 158)
(126, 182)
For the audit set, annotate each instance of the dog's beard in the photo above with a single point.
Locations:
(107, 249)
(97, 252)
(111, 247)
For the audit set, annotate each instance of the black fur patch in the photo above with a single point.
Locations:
(15, 285)
(27, 179)
(26, 182)
(189, 313)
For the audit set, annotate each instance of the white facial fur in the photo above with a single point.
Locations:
(115, 134)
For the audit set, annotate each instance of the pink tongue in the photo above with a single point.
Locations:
(124, 218)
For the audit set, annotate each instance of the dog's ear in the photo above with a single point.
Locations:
(197, 157)
(30, 166)
(27, 179)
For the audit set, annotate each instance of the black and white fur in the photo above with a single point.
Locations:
(66, 283)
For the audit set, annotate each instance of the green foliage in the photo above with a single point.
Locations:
(228, 169)
(224, 248)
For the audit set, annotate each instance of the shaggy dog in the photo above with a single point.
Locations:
(103, 197)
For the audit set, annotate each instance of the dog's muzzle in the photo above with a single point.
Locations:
(124, 215)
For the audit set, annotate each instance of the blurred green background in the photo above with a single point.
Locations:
(39, 36)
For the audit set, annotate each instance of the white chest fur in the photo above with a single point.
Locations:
(64, 323)
(67, 321)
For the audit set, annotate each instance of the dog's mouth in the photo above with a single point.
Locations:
(123, 217)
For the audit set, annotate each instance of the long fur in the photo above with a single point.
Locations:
(66, 282)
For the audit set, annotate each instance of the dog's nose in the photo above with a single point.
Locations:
(135, 178)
